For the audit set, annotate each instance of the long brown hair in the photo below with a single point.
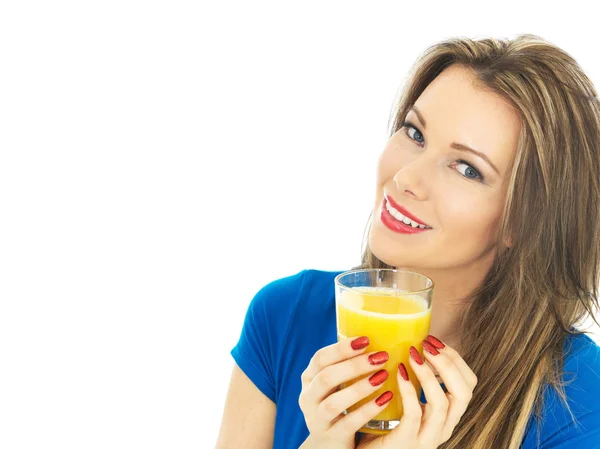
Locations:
(515, 325)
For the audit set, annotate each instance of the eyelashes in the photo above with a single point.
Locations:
(407, 126)
(471, 172)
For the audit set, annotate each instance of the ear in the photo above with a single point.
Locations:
(508, 243)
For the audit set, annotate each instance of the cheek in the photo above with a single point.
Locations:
(389, 163)
(474, 216)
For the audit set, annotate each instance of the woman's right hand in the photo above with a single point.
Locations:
(323, 404)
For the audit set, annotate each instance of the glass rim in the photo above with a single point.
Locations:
(393, 270)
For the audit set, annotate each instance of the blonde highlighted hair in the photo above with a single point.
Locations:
(514, 328)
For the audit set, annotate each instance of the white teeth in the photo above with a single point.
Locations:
(398, 216)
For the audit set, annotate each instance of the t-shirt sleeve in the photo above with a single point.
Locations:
(265, 326)
(582, 434)
(559, 430)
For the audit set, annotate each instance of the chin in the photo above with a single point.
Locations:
(392, 254)
(379, 250)
(391, 259)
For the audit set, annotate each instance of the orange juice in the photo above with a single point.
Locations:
(394, 321)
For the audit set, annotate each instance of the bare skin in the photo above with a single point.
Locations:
(460, 195)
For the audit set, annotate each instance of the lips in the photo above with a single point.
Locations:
(399, 226)
(404, 211)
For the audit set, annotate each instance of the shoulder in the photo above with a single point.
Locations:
(287, 320)
(301, 289)
(301, 299)
(580, 422)
(299, 310)
(581, 349)
(582, 373)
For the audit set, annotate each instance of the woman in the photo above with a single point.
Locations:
(495, 153)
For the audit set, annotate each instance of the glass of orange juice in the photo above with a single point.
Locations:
(393, 308)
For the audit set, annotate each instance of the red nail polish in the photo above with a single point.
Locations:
(378, 358)
(378, 378)
(429, 348)
(360, 343)
(415, 355)
(435, 342)
(384, 398)
(403, 371)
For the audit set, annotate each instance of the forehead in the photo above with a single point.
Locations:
(457, 111)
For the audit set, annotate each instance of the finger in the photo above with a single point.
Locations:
(332, 376)
(334, 405)
(437, 406)
(453, 379)
(327, 381)
(456, 410)
(460, 389)
(466, 372)
(353, 421)
(333, 353)
(410, 422)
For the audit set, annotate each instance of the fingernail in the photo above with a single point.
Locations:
(378, 358)
(429, 348)
(403, 371)
(415, 355)
(378, 378)
(360, 343)
(384, 398)
(435, 342)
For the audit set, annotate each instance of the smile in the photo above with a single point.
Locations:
(399, 221)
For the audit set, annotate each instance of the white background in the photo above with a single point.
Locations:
(162, 161)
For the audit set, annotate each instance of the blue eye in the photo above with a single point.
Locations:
(469, 171)
(407, 127)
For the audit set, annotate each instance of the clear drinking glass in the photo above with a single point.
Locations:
(393, 308)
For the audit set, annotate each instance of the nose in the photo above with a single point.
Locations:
(410, 179)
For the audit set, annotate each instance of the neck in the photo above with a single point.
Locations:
(450, 298)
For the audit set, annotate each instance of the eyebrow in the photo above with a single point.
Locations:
(456, 146)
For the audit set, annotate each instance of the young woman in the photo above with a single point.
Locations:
(494, 163)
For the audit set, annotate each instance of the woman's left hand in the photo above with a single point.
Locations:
(426, 426)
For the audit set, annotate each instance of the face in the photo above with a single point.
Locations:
(457, 194)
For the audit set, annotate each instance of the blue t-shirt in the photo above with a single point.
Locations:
(291, 318)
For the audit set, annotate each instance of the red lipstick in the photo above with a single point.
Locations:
(396, 225)
(404, 211)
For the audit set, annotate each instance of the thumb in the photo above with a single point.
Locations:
(365, 441)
